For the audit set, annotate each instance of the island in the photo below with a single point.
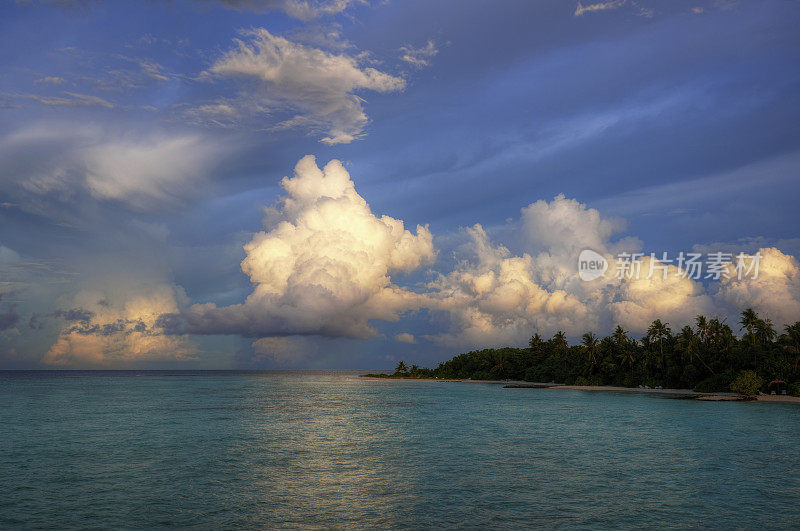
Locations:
(705, 359)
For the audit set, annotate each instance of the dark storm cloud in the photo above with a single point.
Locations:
(120, 326)
(80, 321)
(74, 314)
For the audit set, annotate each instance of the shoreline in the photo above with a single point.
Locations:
(687, 393)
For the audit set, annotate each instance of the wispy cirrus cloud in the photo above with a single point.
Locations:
(54, 80)
(143, 171)
(581, 9)
(70, 99)
(419, 56)
(299, 9)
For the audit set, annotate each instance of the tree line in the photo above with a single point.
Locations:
(706, 357)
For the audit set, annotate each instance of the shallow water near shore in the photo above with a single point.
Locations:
(329, 449)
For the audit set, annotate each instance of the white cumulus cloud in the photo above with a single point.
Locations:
(498, 298)
(320, 86)
(774, 293)
(324, 267)
(674, 298)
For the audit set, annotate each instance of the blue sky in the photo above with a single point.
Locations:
(140, 143)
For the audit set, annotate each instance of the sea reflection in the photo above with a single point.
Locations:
(333, 450)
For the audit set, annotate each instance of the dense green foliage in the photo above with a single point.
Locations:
(707, 357)
(747, 383)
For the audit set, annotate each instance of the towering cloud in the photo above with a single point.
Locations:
(675, 298)
(320, 86)
(496, 298)
(323, 267)
(499, 298)
(775, 293)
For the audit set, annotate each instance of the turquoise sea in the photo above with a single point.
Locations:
(327, 449)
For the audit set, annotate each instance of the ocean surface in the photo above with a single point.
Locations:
(327, 449)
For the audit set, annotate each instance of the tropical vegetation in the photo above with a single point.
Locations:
(709, 356)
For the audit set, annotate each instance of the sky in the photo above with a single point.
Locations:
(236, 184)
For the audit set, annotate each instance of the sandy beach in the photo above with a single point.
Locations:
(688, 393)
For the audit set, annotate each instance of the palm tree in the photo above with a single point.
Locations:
(702, 328)
(722, 339)
(625, 354)
(765, 330)
(591, 345)
(705, 333)
(659, 331)
(620, 336)
(687, 342)
(719, 332)
(535, 340)
(560, 339)
(749, 321)
(792, 339)
(401, 368)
